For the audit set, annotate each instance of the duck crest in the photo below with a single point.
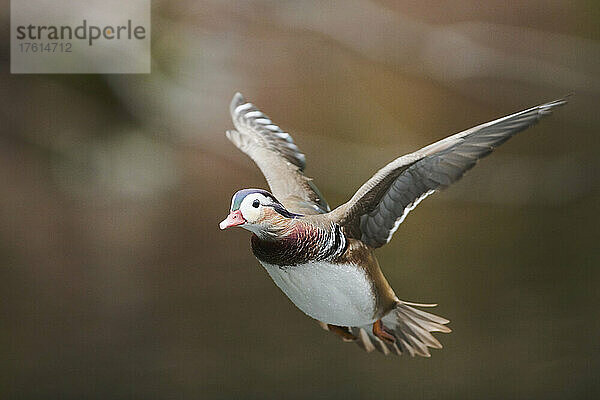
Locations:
(303, 243)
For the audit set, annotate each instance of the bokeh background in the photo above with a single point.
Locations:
(116, 282)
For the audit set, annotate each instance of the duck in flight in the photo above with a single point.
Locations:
(323, 259)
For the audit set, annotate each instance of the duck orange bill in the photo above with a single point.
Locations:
(234, 218)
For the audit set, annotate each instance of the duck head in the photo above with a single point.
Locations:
(257, 211)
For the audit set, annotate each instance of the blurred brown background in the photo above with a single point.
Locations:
(116, 282)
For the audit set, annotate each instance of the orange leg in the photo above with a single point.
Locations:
(380, 332)
(343, 332)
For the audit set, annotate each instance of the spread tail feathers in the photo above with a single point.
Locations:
(410, 327)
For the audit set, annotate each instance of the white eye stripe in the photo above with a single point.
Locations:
(262, 199)
(251, 213)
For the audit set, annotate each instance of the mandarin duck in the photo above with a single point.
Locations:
(323, 259)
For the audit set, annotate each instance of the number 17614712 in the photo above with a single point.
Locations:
(41, 47)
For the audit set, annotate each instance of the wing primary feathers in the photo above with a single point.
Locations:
(277, 156)
(383, 202)
(247, 117)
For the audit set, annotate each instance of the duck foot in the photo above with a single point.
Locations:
(381, 332)
(343, 332)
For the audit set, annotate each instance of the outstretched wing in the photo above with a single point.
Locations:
(279, 159)
(381, 204)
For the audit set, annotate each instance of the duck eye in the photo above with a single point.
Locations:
(255, 203)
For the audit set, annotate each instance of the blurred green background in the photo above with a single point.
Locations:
(116, 282)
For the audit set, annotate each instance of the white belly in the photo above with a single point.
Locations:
(332, 293)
